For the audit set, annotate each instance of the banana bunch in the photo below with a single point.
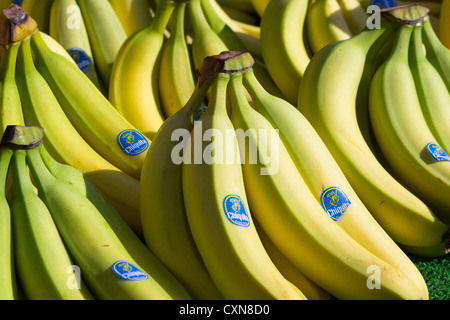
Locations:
(154, 72)
(42, 88)
(365, 121)
(69, 243)
(235, 175)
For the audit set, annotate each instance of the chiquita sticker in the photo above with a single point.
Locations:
(437, 152)
(81, 58)
(334, 201)
(132, 142)
(129, 272)
(235, 211)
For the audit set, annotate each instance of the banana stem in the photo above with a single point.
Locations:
(162, 16)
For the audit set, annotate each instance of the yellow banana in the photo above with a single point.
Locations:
(134, 15)
(444, 23)
(134, 80)
(260, 6)
(355, 14)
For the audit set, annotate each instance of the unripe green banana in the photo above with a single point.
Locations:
(42, 260)
(107, 267)
(106, 34)
(402, 132)
(176, 74)
(297, 223)
(218, 212)
(8, 283)
(132, 243)
(39, 10)
(133, 89)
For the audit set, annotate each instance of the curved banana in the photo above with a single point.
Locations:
(134, 80)
(218, 212)
(325, 179)
(43, 263)
(132, 243)
(107, 267)
(338, 71)
(273, 185)
(8, 288)
(444, 23)
(402, 131)
(67, 27)
(433, 94)
(41, 108)
(10, 102)
(56, 46)
(103, 127)
(163, 215)
(435, 251)
(260, 6)
(437, 53)
(106, 34)
(325, 23)
(176, 74)
(134, 15)
(355, 14)
(283, 44)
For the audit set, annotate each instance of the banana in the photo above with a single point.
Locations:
(242, 5)
(132, 243)
(41, 108)
(107, 267)
(98, 122)
(325, 23)
(444, 23)
(56, 46)
(402, 131)
(8, 287)
(325, 178)
(355, 14)
(67, 27)
(433, 94)
(436, 251)
(10, 103)
(41, 257)
(176, 75)
(311, 290)
(39, 10)
(283, 45)
(134, 15)
(134, 80)
(260, 6)
(338, 71)
(106, 34)
(163, 215)
(273, 185)
(437, 53)
(218, 212)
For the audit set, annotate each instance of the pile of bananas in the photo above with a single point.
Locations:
(223, 149)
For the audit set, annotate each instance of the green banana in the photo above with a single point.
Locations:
(273, 185)
(133, 14)
(218, 212)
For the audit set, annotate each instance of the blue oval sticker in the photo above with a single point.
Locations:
(437, 152)
(334, 201)
(81, 58)
(235, 211)
(129, 272)
(132, 142)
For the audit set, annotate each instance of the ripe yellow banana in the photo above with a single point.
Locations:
(41, 108)
(218, 212)
(444, 23)
(325, 23)
(164, 221)
(107, 267)
(355, 14)
(283, 45)
(297, 223)
(338, 71)
(326, 180)
(433, 93)
(67, 27)
(134, 15)
(176, 74)
(10, 102)
(103, 127)
(42, 260)
(402, 131)
(132, 243)
(106, 34)
(134, 80)
(8, 287)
